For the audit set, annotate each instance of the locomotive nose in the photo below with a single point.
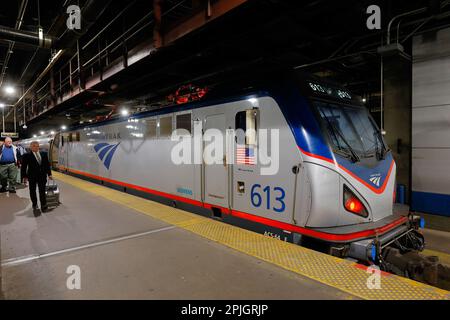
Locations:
(376, 194)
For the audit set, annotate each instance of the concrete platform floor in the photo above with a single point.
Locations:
(123, 254)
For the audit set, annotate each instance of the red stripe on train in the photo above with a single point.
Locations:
(250, 217)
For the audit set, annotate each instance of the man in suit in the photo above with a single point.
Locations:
(35, 170)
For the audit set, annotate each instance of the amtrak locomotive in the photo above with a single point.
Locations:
(334, 189)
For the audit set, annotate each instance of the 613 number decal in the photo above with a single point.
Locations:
(257, 198)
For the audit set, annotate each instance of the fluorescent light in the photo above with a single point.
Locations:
(124, 112)
(138, 135)
(42, 133)
(34, 136)
(10, 90)
(2, 105)
(63, 127)
(52, 132)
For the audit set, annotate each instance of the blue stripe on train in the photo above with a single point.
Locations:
(102, 153)
(98, 146)
(428, 202)
(108, 158)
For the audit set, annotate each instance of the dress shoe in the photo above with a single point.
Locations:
(44, 209)
(12, 191)
(35, 206)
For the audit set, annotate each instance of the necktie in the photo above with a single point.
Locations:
(38, 157)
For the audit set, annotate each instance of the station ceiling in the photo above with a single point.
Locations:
(326, 37)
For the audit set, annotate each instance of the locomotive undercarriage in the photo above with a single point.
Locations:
(402, 257)
(398, 252)
(413, 265)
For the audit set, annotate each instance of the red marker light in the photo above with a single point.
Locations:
(353, 204)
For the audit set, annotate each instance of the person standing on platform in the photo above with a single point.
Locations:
(20, 152)
(35, 170)
(8, 166)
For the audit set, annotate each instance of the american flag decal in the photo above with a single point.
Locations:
(245, 155)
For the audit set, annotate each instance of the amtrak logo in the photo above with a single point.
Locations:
(105, 152)
(375, 179)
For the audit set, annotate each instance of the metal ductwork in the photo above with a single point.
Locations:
(26, 37)
(89, 15)
(91, 11)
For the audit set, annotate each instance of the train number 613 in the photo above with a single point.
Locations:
(257, 198)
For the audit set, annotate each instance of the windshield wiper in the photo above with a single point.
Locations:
(381, 153)
(353, 155)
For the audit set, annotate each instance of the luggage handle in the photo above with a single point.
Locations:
(53, 184)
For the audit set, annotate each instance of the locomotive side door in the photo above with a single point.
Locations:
(54, 151)
(260, 193)
(215, 190)
(62, 155)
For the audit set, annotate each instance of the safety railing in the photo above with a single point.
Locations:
(91, 59)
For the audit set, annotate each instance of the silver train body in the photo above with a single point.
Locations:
(45, 142)
(308, 201)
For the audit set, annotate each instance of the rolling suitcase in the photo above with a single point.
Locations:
(52, 194)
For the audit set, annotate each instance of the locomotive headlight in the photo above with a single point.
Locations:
(353, 204)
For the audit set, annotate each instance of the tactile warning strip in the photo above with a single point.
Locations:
(338, 273)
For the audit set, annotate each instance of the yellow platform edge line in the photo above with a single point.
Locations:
(393, 287)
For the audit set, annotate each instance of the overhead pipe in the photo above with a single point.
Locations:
(89, 13)
(26, 37)
(22, 8)
(410, 13)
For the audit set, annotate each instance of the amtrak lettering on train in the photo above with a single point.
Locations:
(333, 190)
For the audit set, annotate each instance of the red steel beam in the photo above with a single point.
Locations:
(157, 38)
(213, 11)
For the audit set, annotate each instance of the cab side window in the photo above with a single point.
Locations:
(246, 127)
(165, 127)
(151, 128)
(183, 121)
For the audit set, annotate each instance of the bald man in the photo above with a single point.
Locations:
(8, 166)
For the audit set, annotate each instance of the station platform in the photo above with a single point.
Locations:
(128, 247)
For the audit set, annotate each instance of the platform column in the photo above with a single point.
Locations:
(397, 74)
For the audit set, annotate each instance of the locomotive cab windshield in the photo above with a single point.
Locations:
(347, 124)
(351, 130)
